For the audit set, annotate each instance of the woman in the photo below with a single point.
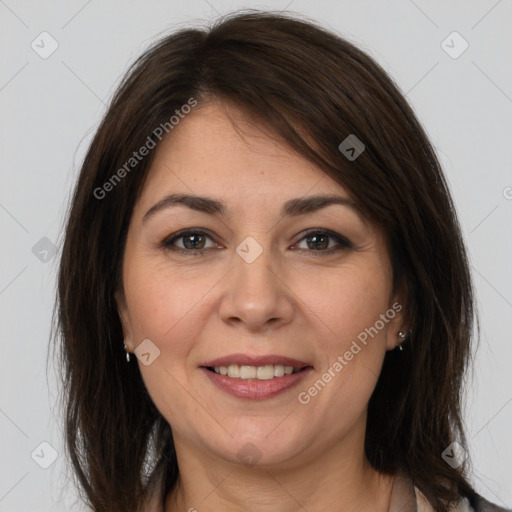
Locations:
(262, 225)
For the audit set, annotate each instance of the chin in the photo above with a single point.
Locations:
(262, 443)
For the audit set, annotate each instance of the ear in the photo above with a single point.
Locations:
(398, 320)
(122, 310)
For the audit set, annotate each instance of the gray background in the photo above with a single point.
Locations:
(50, 107)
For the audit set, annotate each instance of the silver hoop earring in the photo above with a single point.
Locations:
(127, 353)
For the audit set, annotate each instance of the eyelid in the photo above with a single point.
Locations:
(167, 243)
(342, 241)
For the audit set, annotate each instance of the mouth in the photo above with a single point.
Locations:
(258, 377)
(245, 367)
(246, 372)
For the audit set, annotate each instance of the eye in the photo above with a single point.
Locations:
(319, 240)
(193, 242)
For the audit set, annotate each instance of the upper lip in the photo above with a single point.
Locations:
(246, 360)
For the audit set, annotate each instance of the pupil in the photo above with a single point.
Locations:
(318, 241)
(319, 245)
(195, 243)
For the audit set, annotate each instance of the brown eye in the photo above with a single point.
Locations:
(320, 241)
(188, 242)
(193, 241)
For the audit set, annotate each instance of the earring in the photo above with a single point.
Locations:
(127, 353)
(402, 335)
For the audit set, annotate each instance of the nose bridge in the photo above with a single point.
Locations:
(253, 263)
(256, 294)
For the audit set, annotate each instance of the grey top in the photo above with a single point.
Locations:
(407, 498)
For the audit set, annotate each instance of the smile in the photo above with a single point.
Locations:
(255, 377)
(244, 372)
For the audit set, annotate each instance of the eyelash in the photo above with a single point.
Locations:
(343, 242)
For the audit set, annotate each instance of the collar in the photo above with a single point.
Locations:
(405, 497)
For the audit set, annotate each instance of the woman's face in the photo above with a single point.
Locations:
(253, 289)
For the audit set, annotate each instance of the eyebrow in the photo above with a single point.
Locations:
(291, 208)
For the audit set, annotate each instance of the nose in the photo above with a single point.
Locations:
(256, 294)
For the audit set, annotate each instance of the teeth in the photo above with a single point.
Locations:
(248, 372)
(233, 371)
(278, 370)
(267, 372)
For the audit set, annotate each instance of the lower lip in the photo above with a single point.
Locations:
(255, 389)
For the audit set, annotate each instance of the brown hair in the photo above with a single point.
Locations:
(313, 89)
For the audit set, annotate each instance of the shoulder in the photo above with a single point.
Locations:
(480, 504)
(476, 504)
(153, 502)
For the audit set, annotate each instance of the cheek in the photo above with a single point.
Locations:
(345, 309)
(160, 299)
(164, 307)
(348, 301)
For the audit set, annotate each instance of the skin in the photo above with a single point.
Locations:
(302, 303)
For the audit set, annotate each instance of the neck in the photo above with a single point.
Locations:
(341, 475)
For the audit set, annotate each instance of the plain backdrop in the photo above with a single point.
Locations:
(50, 107)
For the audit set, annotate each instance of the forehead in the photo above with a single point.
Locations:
(221, 150)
